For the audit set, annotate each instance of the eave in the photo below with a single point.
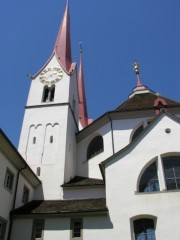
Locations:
(121, 115)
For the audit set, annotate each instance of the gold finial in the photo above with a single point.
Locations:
(136, 67)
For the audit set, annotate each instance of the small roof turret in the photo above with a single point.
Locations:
(140, 88)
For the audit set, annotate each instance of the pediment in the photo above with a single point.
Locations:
(160, 135)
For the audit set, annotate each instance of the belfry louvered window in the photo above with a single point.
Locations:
(95, 147)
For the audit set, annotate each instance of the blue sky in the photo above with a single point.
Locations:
(114, 34)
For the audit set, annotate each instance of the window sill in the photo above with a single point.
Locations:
(9, 190)
(157, 192)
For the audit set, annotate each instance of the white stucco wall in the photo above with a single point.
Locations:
(6, 196)
(122, 174)
(70, 155)
(84, 193)
(21, 229)
(94, 227)
(52, 167)
(90, 168)
(123, 130)
(21, 183)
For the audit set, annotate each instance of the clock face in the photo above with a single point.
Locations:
(51, 75)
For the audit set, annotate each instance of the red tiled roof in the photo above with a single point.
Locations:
(62, 207)
(144, 101)
(78, 181)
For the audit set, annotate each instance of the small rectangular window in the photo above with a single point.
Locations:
(76, 228)
(8, 182)
(2, 228)
(34, 140)
(144, 229)
(25, 196)
(38, 171)
(51, 139)
(38, 229)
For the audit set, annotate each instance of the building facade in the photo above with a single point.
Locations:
(117, 177)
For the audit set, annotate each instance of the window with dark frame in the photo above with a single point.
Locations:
(149, 180)
(76, 229)
(3, 223)
(144, 229)
(25, 197)
(8, 182)
(95, 147)
(172, 172)
(38, 228)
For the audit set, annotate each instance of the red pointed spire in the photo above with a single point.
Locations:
(62, 47)
(83, 117)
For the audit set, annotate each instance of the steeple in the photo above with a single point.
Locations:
(62, 47)
(83, 116)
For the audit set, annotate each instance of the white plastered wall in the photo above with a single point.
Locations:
(6, 196)
(94, 227)
(89, 168)
(22, 182)
(123, 129)
(84, 193)
(122, 174)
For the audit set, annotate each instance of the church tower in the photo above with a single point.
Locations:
(47, 140)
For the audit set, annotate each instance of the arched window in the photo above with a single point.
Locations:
(149, 180)
(137, 132)
(95, 147)
(172, 172)
(144, 229)
(141, 128)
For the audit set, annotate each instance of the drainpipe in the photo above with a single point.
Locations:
(14, 201)
(112, 136)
